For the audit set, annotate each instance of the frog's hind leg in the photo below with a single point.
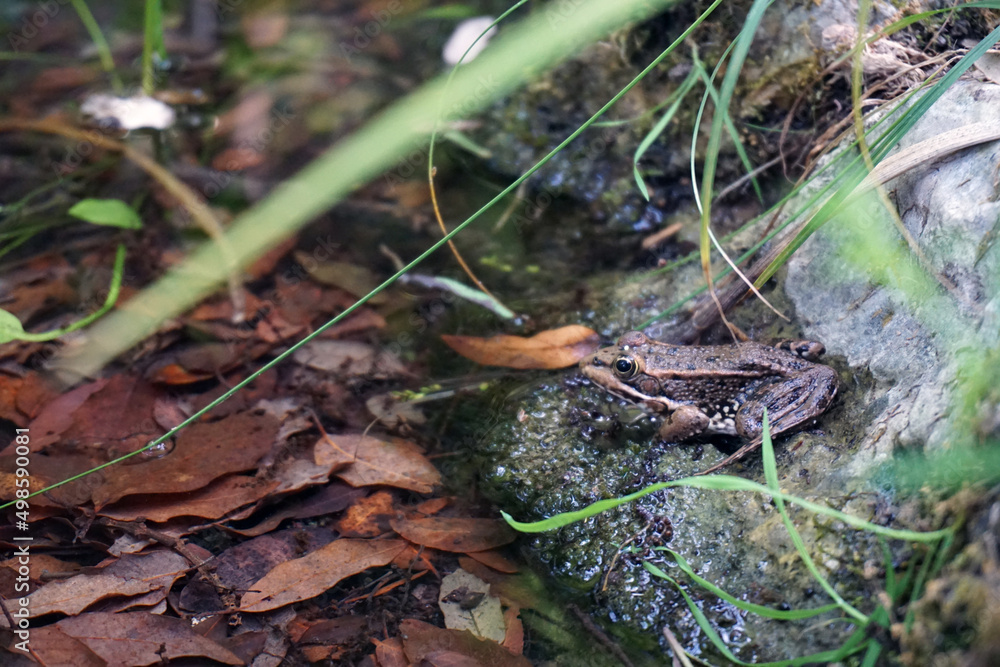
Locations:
(790, 402)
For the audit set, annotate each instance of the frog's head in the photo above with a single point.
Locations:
(621, 369)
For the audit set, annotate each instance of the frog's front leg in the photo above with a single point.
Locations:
(683, 422)
(809, 350)
(790, 402)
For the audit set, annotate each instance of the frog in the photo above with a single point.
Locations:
(706, 390)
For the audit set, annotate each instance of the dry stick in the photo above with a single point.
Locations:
(741, 181)
(188, 198)
(139, 530)
(843, 125)
(825, 144)
(924, 152)
(680, 656)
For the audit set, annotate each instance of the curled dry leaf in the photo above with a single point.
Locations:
(555, 348)
(454, 534)
(129, 576)
(309, 576)
(211, 502)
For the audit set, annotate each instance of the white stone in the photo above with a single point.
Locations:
(129, 113)
(464, 35)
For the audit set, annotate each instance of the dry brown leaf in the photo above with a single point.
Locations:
(455, 534)
(119, 416)
(430, 506)
(390, 653)
(494, 560)
(416, 559)
(483, 572)
(347, 629)
(330, 498)
(10, 387)
(555, 348)
(352, 278)
(34, 393)
(212, 502)
(350, 359)
(424, 641)
(394, 462)
(130, 576)
(135, 639)
(56, 417)
(9, 485)
(309, 576)
(368, 517)
(514, 639)
(250, 645)
(204, 452)
(55, 647)
(40, 565)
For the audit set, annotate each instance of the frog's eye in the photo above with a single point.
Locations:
(626, 366)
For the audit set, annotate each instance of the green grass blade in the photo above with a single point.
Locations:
(851, 646)
(722, 483)
(881, 147)
(101, 44)
(760, 610)
(677, 97)
(771, 475)
(890, 572)
(733, 69)
(870, 658)
(152, 43)
(117, 273)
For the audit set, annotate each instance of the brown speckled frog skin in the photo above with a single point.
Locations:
(717, 389)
